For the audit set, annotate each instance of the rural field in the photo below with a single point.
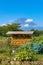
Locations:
(18, 47)
(30, 53)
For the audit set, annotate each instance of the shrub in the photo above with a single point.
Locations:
(25, 53)
(29, 51)
(37, 47)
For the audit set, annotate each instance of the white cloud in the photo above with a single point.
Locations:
(7, 22)
(26, 25)
(3, 25)
(29, 20)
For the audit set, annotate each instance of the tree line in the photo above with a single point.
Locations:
(16, 27)
(9, 27)
(37, 32)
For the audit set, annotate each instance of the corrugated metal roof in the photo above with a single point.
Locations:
(20, 32)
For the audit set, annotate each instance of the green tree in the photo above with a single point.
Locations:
(9, 27)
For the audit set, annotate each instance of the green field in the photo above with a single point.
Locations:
(6, 52)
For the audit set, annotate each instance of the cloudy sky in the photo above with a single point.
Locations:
(11, 10)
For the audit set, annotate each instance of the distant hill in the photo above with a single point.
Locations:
(28, 25)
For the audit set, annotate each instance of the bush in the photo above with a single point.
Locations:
(29, 51)
(25, 53)
(37, 47)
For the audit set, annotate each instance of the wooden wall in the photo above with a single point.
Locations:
(20, 41)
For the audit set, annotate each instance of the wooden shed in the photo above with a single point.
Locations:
(20, 37)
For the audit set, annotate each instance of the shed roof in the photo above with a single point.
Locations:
(20, 32)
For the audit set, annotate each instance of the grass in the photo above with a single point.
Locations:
(37, 38)
(40, 57)
(7, 54)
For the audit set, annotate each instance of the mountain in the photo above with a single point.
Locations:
(28, 24)
(38, 28)
(21, 20)
(25, 25)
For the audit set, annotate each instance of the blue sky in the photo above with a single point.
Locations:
(11, 10)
